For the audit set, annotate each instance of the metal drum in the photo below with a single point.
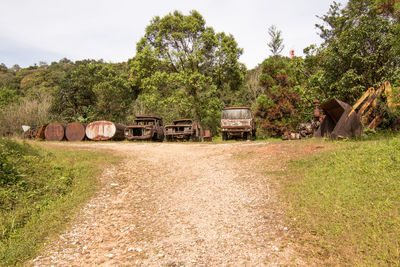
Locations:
(75, 131)
(105, 130)
(54, 132)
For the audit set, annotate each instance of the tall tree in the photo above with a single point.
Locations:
(358, 51)
(276, 44)
(92, 90)
(181, 61)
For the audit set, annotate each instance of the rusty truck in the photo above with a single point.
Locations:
(237, 122)
(145, 128)
(184, 130)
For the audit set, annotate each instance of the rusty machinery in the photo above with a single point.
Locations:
(342, 120)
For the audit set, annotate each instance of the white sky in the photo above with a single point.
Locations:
(48, 30)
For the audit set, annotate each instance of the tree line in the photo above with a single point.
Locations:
(184, 68)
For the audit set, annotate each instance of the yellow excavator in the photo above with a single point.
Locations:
(343, 121)
(370, 105)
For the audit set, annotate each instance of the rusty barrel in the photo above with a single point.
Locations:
(75, 131)
(105, 130)
(54, 132)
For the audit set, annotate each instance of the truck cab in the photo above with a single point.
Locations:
(237, 122)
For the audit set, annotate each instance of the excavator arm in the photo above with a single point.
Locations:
(372, 102)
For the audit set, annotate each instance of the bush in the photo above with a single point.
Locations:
(278, 109)
(33, 112)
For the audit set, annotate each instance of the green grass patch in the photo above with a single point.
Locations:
(345, 204)
(40, 191)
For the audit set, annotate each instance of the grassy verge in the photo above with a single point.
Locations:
(40, 191)
(345, 204)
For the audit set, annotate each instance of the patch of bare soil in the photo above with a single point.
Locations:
(180, 205)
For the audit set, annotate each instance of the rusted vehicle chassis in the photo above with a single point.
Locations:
(145, 128)
(139, 133)
(183, 130)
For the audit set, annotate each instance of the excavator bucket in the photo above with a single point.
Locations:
(339, 121)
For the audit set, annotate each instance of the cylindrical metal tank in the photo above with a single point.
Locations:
(105, 130)
(75, 131)
(54, 132)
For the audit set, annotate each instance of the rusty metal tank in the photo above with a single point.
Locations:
(105, 130)
(54, 132)
(75, 131)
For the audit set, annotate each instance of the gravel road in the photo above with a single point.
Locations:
(179, 204)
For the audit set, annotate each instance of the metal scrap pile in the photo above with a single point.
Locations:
(34, 132)
(345, 121)
(307, 129)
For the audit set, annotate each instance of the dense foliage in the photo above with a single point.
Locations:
(91, 91)
(184, 68)
(280, 105)
(359, 51)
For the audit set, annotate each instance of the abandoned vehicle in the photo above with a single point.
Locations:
(145, 128)
(237, 122)
(184, 130)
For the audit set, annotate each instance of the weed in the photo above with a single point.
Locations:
(40, 190)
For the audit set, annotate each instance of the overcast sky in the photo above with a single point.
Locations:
(48, 30)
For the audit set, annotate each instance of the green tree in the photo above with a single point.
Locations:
(276, 44)
(92, 90)
(281, 104)
(358, 51)
(113, 96)
(181, 60)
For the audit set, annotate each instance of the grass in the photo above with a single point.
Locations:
(41, 189)
(345, 203)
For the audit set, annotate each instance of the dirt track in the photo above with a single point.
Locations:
(179, 205)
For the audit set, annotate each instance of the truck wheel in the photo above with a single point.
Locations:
(224, 136)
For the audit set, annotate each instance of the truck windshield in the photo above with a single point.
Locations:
(144, 122)
(234, 114)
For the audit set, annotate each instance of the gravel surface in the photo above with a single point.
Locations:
(174, 204)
